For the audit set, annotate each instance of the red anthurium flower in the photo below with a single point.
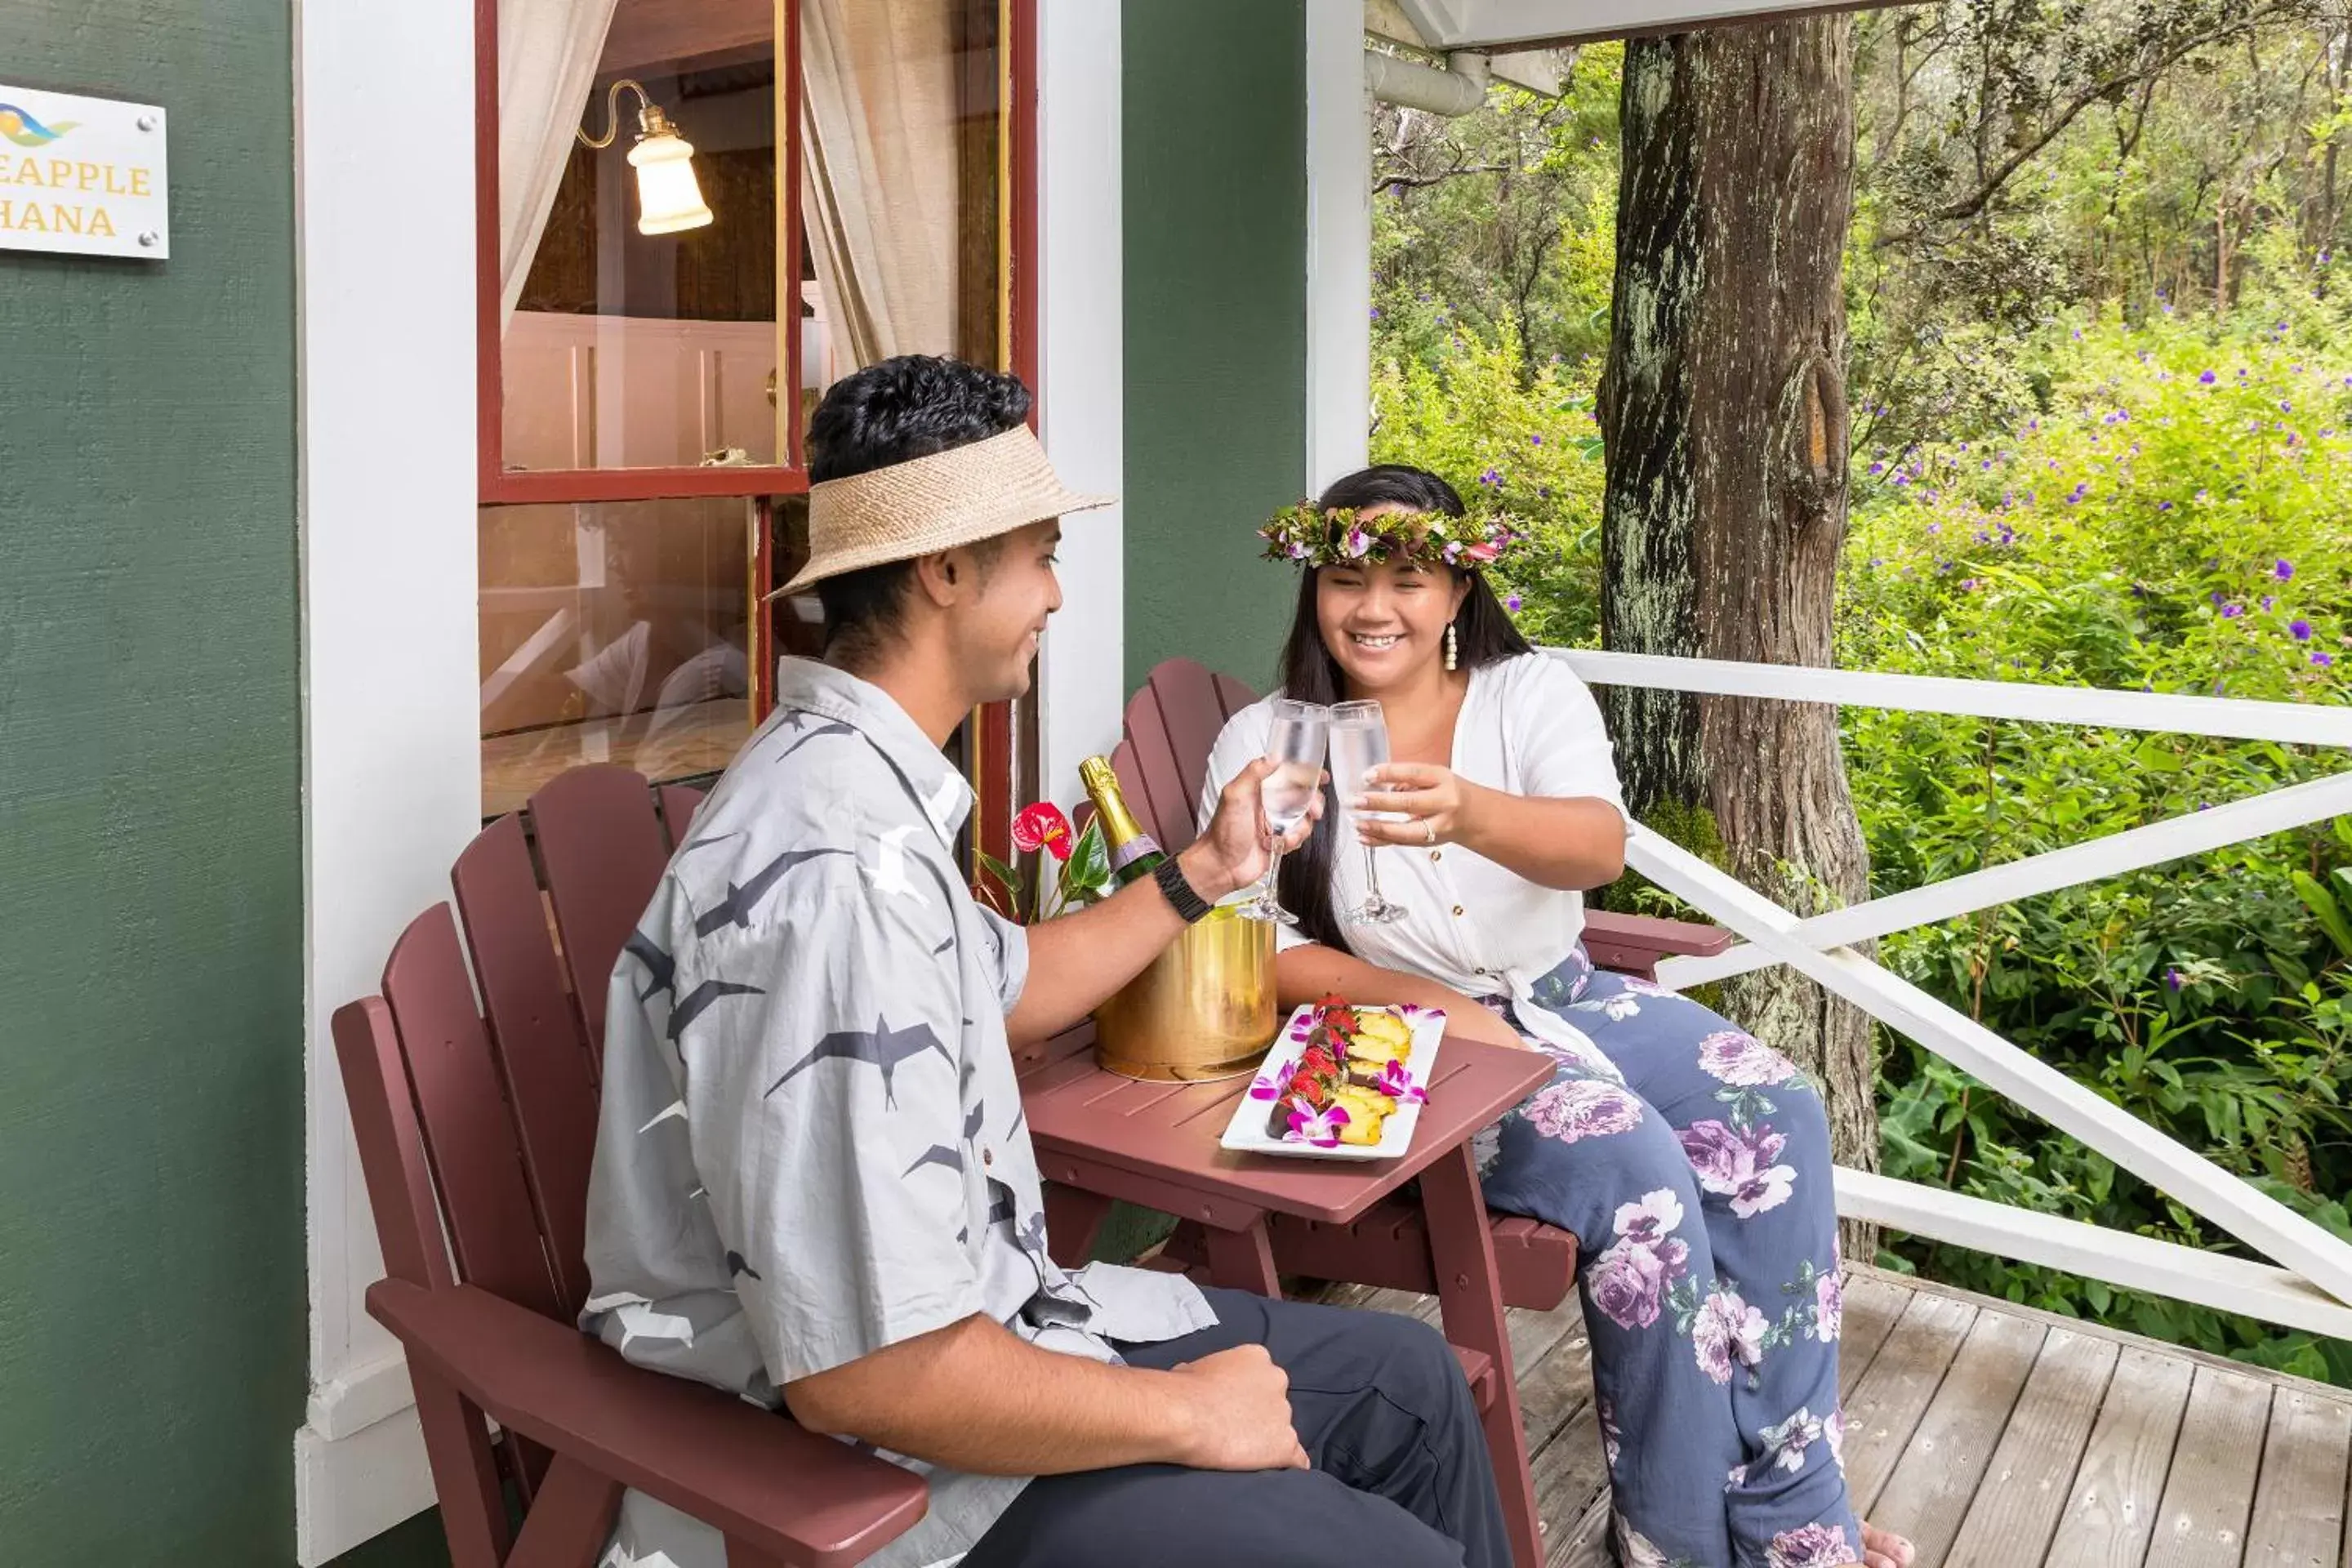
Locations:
(1043, 827)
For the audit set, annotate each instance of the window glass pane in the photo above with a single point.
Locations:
(902, 182)
(613, 633)
(624, 348)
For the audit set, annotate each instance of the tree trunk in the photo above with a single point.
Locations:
(1724, 414)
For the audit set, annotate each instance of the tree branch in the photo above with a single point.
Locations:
(1422, 182)
(1976, 202)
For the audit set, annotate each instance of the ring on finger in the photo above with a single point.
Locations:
(1429, 827)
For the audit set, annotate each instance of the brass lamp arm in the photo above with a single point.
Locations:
(649, 117)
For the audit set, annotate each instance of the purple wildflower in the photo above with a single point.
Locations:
(2231, 612)
(2207, 379)
(2323, 661)
(1491, 479)
(1536, 441)
(1514, 603)
(2299, 630)
(2172, 980)
(2284, 571)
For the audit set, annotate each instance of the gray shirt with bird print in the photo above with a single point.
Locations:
(812, 1143)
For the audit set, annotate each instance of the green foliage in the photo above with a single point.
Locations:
(1526, 442)
(2168, 522)
(2102, 437)
(1506, 218)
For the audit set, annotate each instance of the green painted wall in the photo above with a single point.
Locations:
(1215, 165)
(1215, 171)
(151, 1297)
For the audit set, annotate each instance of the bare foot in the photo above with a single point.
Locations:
(1884, 1549)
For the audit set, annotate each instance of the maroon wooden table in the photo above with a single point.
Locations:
(1102, 1137)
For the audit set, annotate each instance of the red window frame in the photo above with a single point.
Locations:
(999, 756)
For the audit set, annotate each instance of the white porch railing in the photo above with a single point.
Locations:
(2308, 1284)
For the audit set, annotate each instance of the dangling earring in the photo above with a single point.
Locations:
(1452, 647)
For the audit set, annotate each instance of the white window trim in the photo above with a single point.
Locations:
(1082, 363)
(1338, 242)
(390, 687)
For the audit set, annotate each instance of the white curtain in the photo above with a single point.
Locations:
(548, 54)
(881, 192)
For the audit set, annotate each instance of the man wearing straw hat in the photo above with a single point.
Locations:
(813, 1184)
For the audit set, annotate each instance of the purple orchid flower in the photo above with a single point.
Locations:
(1320, 1128)
(1396, 1082)
(1269, 1085)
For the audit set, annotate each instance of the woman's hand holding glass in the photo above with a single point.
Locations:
(1421, 804)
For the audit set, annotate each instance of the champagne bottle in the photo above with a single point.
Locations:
(1133, 854)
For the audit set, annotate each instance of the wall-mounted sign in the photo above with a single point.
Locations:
(84, 175)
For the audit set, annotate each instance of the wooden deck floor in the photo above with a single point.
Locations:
(2000, 1437)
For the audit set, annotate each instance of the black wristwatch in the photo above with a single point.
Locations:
(1181, 896)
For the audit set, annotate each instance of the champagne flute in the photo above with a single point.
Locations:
(1295, 746)
(1360, 743)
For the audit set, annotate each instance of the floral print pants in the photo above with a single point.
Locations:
(1692, 1163)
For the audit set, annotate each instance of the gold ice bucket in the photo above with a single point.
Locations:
(1204, 1008)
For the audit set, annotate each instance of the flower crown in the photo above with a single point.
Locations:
(1308, 535)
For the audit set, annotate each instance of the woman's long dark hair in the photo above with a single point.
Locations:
(1484, 634)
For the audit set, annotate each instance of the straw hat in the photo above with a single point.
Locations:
(961, 496)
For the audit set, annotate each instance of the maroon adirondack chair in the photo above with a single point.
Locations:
(1171, 726)
(485, 1125)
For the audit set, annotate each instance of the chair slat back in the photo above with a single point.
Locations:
(368, 1049)
(678, 805)
(1172, 725)
(469, 1137)
(604, 850)
(539, 1036)
(392, 1149)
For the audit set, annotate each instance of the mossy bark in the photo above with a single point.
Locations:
(1724, 418)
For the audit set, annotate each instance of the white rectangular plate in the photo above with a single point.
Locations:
(1247, 1133)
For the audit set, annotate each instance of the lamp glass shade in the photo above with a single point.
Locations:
(669, 198)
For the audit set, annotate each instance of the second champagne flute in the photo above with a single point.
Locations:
(1360, 743)
(1295, 746)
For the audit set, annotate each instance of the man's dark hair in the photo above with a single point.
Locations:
(894, 412)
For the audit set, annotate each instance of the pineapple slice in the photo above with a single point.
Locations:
(1379, 1039)
(1364, 1130)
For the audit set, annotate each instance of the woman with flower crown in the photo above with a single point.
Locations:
(1690, 1160)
